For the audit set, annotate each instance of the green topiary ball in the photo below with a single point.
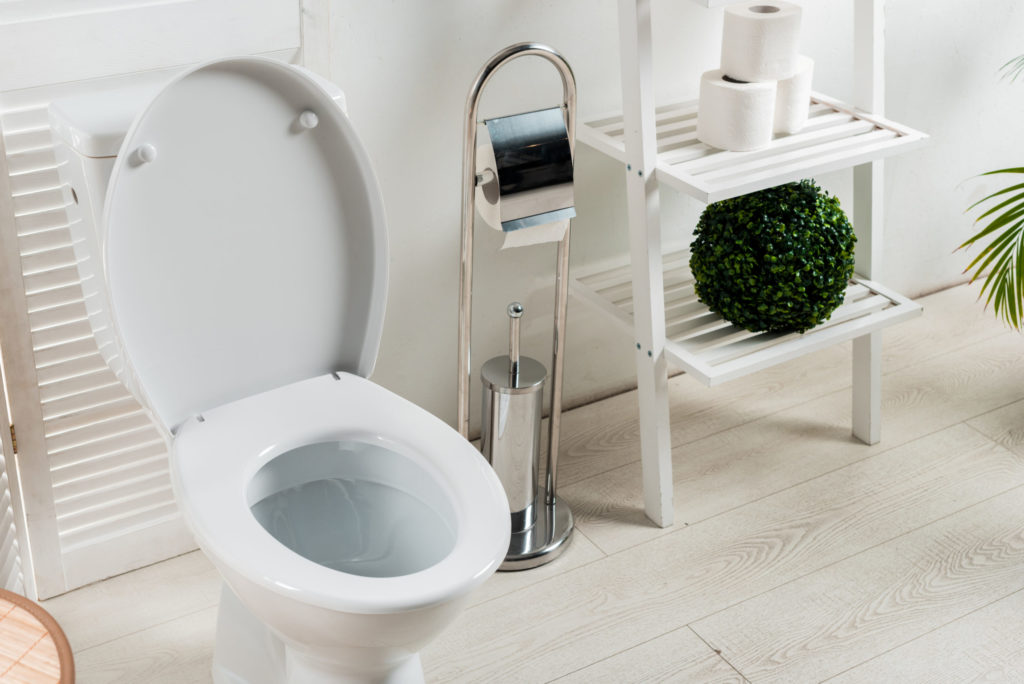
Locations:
(777, 260)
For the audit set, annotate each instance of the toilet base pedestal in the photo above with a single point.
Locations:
(248, 652)
(245, 651)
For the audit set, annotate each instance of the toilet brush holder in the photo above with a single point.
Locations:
(534, 173)
(513, 395)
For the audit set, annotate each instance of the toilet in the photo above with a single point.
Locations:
(232, 244)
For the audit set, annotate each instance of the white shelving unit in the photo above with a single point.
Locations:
(652, 294)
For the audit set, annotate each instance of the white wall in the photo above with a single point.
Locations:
(408, 64)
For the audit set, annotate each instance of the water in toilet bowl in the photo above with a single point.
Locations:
(327, 503)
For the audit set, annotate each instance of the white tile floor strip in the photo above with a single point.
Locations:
(800, 555)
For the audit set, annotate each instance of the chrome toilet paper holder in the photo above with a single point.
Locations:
(549, 535)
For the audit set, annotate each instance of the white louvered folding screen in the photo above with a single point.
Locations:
(94, 469)
(107, 461)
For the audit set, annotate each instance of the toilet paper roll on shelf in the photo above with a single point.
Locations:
(733, 115)
(760, 40)
(793, 98)
(488, 206)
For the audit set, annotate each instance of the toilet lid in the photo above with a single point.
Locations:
(244, 239)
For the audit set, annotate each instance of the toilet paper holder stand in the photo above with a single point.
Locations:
(550, 534)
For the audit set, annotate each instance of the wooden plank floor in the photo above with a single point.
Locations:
(800, 554)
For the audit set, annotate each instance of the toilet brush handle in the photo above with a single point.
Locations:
(515, 312)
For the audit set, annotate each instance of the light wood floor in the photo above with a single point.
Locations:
(799, 554)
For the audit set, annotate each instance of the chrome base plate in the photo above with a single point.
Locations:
(545, 541)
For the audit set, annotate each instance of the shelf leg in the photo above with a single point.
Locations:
(645, 257)
(867, 388)
(655, 440)
(867, 350)
(868, 190)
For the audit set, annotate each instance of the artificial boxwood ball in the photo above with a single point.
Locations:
(777, 260)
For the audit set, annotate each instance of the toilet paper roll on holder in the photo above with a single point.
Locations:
(554, 521)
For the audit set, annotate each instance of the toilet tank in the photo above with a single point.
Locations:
(87, 132)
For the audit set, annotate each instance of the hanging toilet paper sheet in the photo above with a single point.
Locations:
(488, 206)
(793, 98)
(760, 40)
(733, 115)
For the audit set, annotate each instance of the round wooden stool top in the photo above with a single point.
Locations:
(33, 648)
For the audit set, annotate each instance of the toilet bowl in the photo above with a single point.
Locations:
(243, 254)
(358, 484)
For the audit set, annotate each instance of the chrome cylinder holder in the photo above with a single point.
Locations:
(549, 536)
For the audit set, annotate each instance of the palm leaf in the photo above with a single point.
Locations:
(994, 279)
(992, 250)
(1014, 68)
(1015, 198)
(1012, 188)
(1001, 260)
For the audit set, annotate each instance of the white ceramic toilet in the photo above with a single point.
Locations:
(236, 276)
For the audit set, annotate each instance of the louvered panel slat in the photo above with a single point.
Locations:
(10, 560)
(24, 118)
(45, 199)
(95, 419)
(49, 280)
(55, 316)
(142, 508)
(31, 160)
(87, 429)
(56, 297)
(28, 139)
(50, 260)
(78, 384)
(62, 353)
(34, 180)
(68, 371)
(8, 549)
(44, 240)
(93, 497)
(112, 395)
(6, 510)
(61, 334)
(81, 457)
(42, 220)
(75, 467)
(124, 527)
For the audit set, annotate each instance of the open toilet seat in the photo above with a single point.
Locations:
(216, 459)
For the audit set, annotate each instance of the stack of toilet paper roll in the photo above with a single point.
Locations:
(763, 85)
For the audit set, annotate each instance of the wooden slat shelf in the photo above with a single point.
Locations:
(713, 350)
(837, 136)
